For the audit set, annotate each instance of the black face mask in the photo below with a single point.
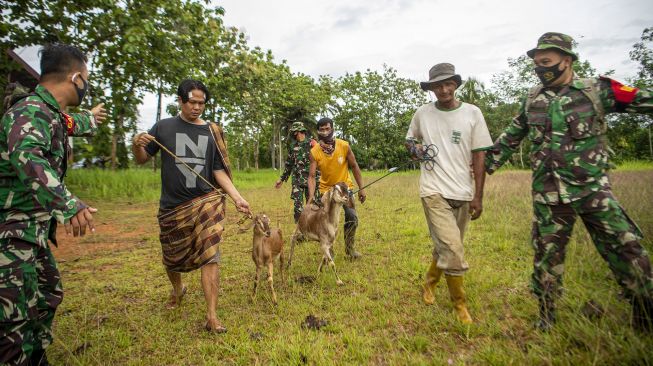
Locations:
(81, 92)
(549, 74)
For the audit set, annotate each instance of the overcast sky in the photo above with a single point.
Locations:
(338, 36)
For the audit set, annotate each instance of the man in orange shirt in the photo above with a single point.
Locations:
(333, 157)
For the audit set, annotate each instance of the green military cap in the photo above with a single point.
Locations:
(297, 127)
(559, 41)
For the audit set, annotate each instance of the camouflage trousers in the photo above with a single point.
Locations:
(30, 291)
(298, 194)
(615, 236)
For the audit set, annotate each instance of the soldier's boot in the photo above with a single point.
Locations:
(642, 319)
(38, 358)
(350, 249)
(547, 315)
(432, 278)
(455, 284)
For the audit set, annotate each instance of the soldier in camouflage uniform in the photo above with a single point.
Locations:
(297, 164)
(564, 120)
(33, 149)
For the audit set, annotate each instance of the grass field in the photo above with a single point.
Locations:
(115, 286)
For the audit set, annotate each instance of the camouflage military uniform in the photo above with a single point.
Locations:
(297, 164)
(569, 159)
(33, 146)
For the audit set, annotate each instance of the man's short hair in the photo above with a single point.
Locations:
(324, 121)
(58, 59)
(187, 86)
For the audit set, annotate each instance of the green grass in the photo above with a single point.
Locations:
(114, 299)
(144, 185)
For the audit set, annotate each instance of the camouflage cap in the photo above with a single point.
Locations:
(297, 127)
(559, 41)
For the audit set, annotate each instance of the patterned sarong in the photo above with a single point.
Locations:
(190, 233)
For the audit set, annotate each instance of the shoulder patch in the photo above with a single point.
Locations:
(622, 93)
(70, 123)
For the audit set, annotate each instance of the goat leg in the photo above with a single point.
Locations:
(326, 249)
(271, 282)
(292, 247)
(281, 260)
(332, 264)
(322, 263)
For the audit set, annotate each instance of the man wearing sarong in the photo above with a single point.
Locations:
(190, 209)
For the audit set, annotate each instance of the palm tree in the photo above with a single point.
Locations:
(472, 91)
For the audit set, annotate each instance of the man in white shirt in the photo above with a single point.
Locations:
(454, 135)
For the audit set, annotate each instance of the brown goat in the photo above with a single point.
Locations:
(322, 225)
(267, 247)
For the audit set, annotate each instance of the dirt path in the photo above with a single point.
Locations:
(116, 233)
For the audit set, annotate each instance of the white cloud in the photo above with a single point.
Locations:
(339, 36)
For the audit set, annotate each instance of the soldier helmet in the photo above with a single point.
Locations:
(297, 127)
(559, 41)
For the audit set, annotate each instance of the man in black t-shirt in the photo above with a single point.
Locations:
(190, 209)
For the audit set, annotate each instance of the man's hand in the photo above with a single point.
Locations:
(99, 113)
(143, 139)
(78, 223)
(476, 208)
(362, 196)
(278, 184)
(243, 206)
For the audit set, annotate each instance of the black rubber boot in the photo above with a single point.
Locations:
(349, 249)
(642, 319)
(547, 316)
(38, 358)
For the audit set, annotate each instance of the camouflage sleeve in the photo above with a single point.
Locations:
(29, 137)
(507, 142)
(288, 166)
(620, 98)
(84, 125)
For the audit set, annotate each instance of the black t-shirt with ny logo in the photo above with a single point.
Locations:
(194, 145)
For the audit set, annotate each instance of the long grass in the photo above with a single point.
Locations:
(113, 309)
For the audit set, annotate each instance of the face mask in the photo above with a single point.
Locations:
(81, 92)
(549, 74)
(325, 136)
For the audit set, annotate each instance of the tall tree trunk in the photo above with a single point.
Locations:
(256, 154)
(281, 161)
(158, 118)
(117, 132)
(273, 150)
(521, 156)
(114, 150)
(650, 143)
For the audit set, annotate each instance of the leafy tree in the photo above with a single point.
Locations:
(134, 47)
(373, 111)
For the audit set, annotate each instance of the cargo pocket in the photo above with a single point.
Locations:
(13, 300)
(536, 127)
(579, 128)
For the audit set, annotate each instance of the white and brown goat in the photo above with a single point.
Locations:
(267, 247)
(322, 224)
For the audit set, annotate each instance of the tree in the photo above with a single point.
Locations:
(643, 53)
(133, 47)
(373, 111)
